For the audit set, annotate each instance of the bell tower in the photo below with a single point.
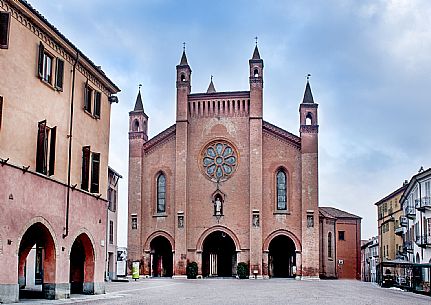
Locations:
(255, 165)
(138, 135)
(310, 192)
(256, 85)
(184, 74)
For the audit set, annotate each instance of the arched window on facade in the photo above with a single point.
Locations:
(161, 193)
(281, 190)
(183, 78)
(329, 244)
(256, 73)
(308, 119)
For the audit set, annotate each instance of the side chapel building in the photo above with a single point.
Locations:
(223, 186)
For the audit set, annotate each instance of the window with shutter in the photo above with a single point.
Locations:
(97, 98)
(53, 134)
(40, 60)
(42, 147)
(59, 72)
(95, 169)
(1, 109)
(45, 63)
(88, 93)
(4, 30)
(85, 167)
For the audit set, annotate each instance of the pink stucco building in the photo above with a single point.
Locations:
(55, 107)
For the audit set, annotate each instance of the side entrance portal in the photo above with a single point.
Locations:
(161, 257)
(281, 257)
(219, 255)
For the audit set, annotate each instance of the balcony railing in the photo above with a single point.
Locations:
(404, 222)
(423, 240)
(399, 230)
(423, 204)
(408, 246)
(410, 212)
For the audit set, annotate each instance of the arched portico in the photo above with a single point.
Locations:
(82, 265)
(158, 259)
(38, 239)
(217, 252)
(281, 255)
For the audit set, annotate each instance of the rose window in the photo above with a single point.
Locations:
(219, 160)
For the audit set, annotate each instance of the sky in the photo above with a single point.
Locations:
(369, 62)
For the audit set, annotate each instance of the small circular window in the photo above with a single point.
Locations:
(219, 160)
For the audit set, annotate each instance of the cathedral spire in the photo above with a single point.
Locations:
(308, 96)
(211, 88)
(183, 61)
(256, 54)
(139, 106)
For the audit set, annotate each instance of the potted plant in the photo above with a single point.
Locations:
(242, 270)
(192, 270)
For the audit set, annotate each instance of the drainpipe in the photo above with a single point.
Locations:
(66, 228)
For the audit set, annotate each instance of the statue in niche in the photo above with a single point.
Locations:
(218, 206)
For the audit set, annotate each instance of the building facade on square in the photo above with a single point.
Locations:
(416, 206)
(391, 221)
(370, 259)
(55, 107)
(223, 186)
(340, 242)
(112, 225)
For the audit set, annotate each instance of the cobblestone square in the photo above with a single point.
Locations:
(231, 291)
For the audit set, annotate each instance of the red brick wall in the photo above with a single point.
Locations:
(349, 250)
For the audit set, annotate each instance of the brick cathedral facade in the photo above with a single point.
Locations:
(223, 186)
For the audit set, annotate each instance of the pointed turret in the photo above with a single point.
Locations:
(211, 88)
(256, 54)
(138, 104)
(183, 61)
(184, 74)
(138, 120)
(256, 84)
(308, 96)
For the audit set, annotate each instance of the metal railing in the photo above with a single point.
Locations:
(410, 212)
(424, 203)
(408, 246)
(423, 240)
(399, 230)
(404, 222)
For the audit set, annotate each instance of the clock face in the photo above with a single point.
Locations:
(219, 160)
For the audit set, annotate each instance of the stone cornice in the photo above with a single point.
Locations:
(31, 19)
(309, 129)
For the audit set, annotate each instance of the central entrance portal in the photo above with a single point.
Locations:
(282, 257)
(219, 255)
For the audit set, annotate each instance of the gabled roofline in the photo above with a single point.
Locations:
(290, 137)
(165, 134)
(397, 191)
(415, 178)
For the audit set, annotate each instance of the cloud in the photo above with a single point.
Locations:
(369, 62)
